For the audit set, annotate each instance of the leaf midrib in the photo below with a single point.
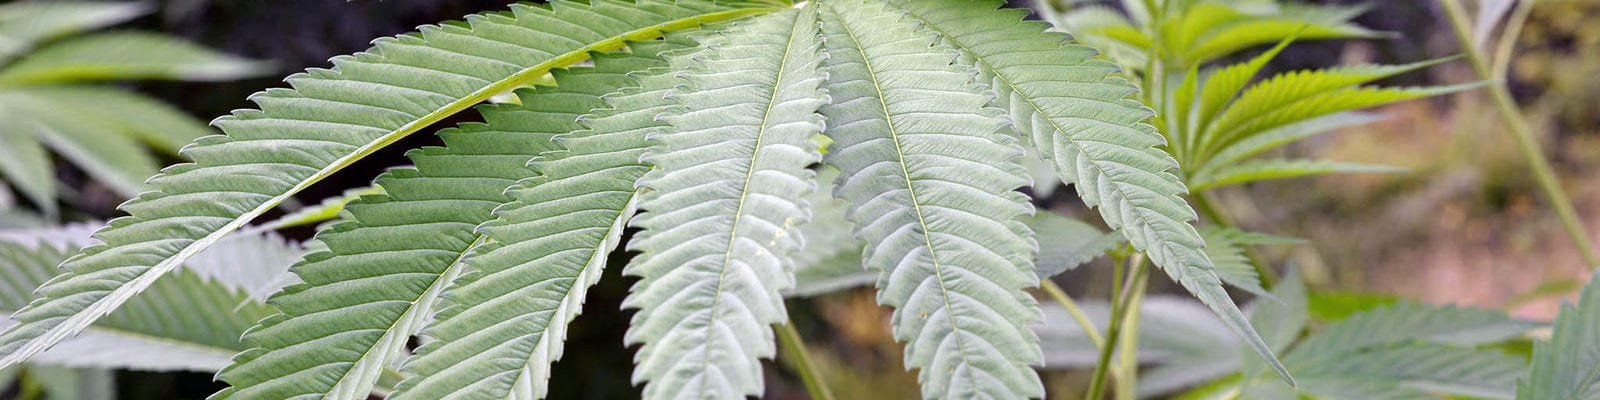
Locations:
(938, 267)
(744, 192)
(961, 45)
(429, 296)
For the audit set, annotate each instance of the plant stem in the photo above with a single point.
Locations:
(1119, 313)
(1060, 296)
(794, 347)
(1203, 202)
(1532, 153)
(1127, 369)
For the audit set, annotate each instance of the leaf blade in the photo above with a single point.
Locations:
(284, 120)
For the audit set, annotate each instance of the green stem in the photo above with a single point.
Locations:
(1208, 208)
(794, 348)
(1119, 313)
(1532, 153)
(1127, 369)
(1060, 296)
(30, 388)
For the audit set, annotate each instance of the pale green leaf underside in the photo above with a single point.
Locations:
(188, 321)
(395, 250)
(501, 324)
(1070, 108)
(1406, 351)
(1226, 247)
(1066, 243)
(720, 215)
(931, 183)
(1568, 366)
(331, 118)
(831, 258)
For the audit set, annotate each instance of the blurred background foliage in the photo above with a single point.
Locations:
(1463, 225)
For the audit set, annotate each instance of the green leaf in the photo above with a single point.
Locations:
(1221, 87)
(1276, 137)
(1071, 109)
(1066, 243)
(332, 118)
(1406, 322)
(1338, 305)
(502, 323)
(1296, 96)
(1568, 366)
(26, 23)
(98, 146)
(1282, 316)
(118, 111)
(126, 55)
(831, 258)
(722, 207)
(24, 163)
(931, 182)
(1418, 370)
(1260, 170)
(396, 250)
(189, 321)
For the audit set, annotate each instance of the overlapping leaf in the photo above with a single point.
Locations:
(931, 183)
(1568, 366)
(1070, 108)
(388, 259)
(331, 118)
(502, 323)
(188, 321)
(724, 203)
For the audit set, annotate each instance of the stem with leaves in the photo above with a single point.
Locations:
(1517, 123)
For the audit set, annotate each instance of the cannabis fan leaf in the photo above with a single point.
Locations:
(703, 118)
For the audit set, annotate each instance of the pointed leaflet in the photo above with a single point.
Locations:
(725, 199)
(931, 183)
(1260, 170)
(831, 258)
(387, 261)
(501, 324)
(189, 321)
(125, 56)
(24, 163)
(1071, 109)
(331, 118)
(1568, 366)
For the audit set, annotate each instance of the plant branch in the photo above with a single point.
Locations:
(1127, 368)
(1208, 208)
(1060, 296)
(794, 347)
(1119, 302)
(1517, 123)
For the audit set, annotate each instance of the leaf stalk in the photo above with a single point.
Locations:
(1517, 124)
